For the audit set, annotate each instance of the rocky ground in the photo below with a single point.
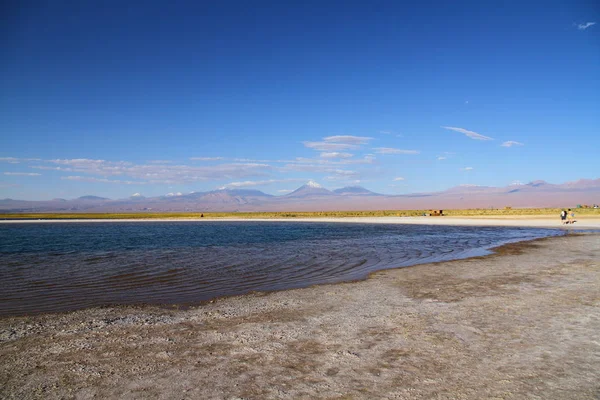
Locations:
(521, 324)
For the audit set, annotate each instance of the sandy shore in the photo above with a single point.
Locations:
(584, 222)
(521, 324)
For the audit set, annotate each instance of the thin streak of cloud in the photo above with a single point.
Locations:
(259, 183)
(22, 174)
(467, 169)
(336, 154)
(584, 26)
(329, 147)
(347, 139)
(471, 134)
(390, 150)
(511, 143)
(15, 160)
(100, 180)
(398, 179)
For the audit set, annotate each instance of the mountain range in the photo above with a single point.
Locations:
(314, 197)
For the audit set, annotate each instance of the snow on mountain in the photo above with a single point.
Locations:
(310, 189)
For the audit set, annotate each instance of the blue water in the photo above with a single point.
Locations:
(48, 267)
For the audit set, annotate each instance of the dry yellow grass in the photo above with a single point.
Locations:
(476, 212)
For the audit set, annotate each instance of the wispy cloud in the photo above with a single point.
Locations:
(585, 25)
(328, 147)
(170, 174)
(338, 143)
(467, 169)
(347, 139)
(511, 143)
(368, 159)
(390, 150)
(259, 183)
(15, 160)
(48, 168)
(398, 179)
(445, 155)
(22, 174)
(471, 134)
(100, 180)
(284, 191)
(336, 154)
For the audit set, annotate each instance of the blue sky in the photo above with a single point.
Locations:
(110, 99)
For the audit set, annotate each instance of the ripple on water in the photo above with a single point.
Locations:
(60, 267)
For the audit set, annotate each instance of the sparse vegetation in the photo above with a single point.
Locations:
(476, 212)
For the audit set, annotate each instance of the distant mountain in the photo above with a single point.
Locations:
(314, 197)
(92, 198)
(309, 190)
(355, 191)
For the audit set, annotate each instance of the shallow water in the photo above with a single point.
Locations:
(64, 266)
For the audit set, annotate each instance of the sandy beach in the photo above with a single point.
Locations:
(520, 324)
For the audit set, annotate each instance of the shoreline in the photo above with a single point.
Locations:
(507, 221)
(519, 322)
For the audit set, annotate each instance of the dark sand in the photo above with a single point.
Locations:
(521, 324)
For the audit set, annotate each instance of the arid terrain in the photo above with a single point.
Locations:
(523, 323)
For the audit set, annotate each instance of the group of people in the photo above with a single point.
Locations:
(567, 217)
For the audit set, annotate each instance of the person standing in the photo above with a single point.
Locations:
(570, 217)
(563, 217)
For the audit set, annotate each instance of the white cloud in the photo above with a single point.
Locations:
(347, 139)
(467, 169)
(10, 160)
(285, 191)
(516, 183)
(398, 179)
(338, 143)
(471, 134)
(170, 174)
(511, 143)
(99, 180)
(22, 173)
(442, 158)
(584, 26)
(174, 194)
(14, 160)
(47, 168)
(389, 150)
(136, 195)
(328, 146)
(259, 183)
(336, 154)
